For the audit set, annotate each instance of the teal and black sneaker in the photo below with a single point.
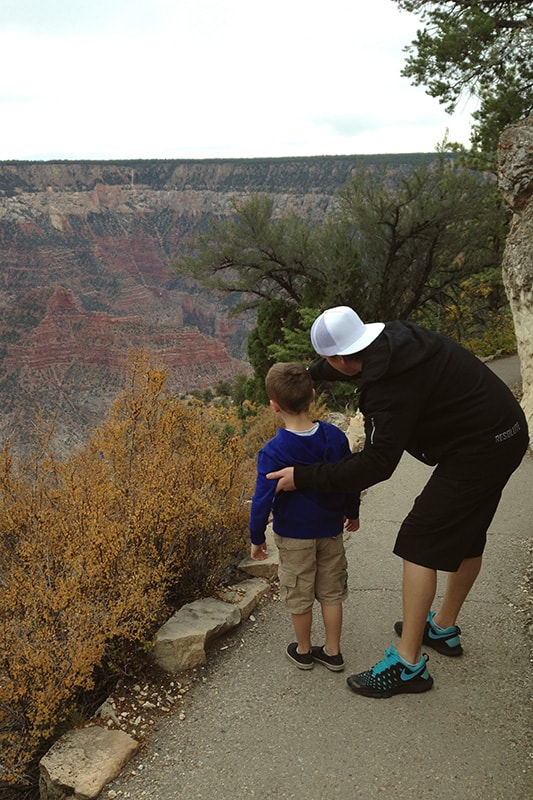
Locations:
(392, 675)
(443, 640)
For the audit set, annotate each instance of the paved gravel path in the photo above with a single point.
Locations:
(259, 728)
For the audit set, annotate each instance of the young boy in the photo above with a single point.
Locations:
(308, 526)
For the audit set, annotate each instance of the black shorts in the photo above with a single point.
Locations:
(449, 521)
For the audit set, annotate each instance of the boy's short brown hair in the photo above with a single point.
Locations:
(290, 385)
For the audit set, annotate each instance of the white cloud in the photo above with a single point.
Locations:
(211, 78)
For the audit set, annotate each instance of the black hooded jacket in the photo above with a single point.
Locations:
(422, 393)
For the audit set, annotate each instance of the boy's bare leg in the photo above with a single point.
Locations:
(302, 628)
(457, 588)
(332, 616)
(419, 587)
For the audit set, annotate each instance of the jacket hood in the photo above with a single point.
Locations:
(400, 347)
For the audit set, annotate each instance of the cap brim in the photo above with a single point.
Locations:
(371, 332)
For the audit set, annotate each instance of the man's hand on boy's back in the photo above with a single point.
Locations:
(258, 552)
(285, 479)
(351, 525)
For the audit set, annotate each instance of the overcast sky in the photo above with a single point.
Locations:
(107, 79)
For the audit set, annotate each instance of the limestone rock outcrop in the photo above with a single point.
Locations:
(515, 180)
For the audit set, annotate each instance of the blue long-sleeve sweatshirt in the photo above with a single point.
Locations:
(301, 514)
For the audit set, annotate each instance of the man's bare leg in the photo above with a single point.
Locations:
(458, 586)
(419, 587)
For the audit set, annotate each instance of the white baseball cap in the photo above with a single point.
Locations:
(340, 331)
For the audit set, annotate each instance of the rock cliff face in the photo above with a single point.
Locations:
(85, 255)
(515, 178)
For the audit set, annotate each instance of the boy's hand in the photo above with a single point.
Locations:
(351, 524)
(259, 552)
(285, 478)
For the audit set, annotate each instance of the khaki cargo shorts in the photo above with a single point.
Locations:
(312, 569)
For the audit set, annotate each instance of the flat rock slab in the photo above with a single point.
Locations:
(81, 762)
(180, 642)
(245, 595)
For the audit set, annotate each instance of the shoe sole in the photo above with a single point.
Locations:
(440, 647)
(416, 686)
(298, 663)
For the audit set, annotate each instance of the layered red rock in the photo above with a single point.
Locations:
(86, 254)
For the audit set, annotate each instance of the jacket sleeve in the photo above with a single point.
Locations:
(390, 411)
(263, 499)
(322, 371)
(353, 502)
(352, 499)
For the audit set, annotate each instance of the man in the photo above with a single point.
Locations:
(422, 393)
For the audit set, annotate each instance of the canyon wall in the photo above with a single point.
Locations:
(85, 275)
